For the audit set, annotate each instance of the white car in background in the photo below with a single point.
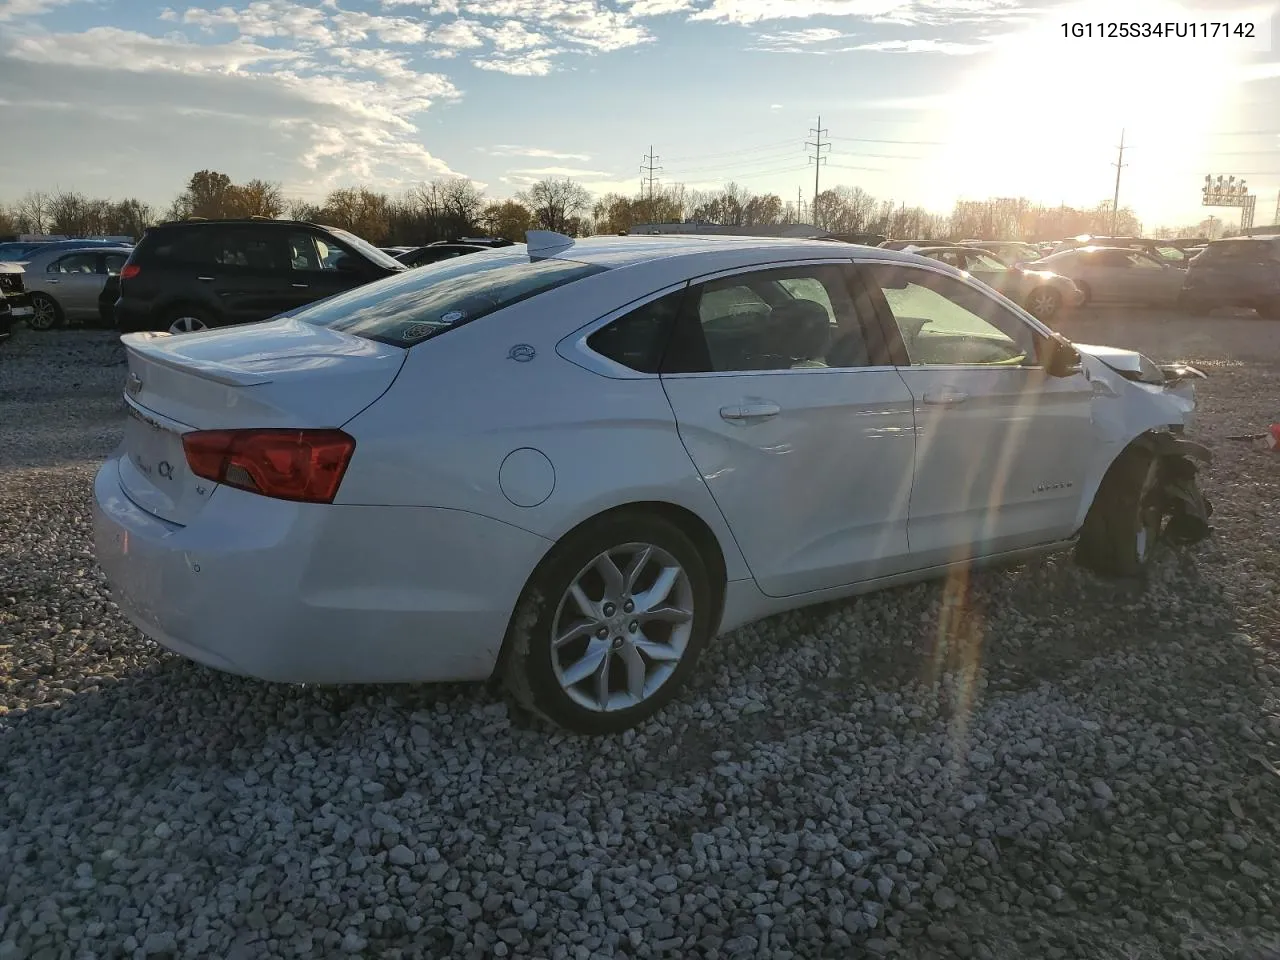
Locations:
(576, 463)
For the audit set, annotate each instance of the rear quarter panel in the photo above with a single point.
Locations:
(461, 404)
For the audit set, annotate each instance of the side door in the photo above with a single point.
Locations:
(1002, 448)
(316, 268)
(794, 416)
(1109, 275)
(250, 275)
(1154, 280)
(74, 281)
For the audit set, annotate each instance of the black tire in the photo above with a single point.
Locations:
(528, 667)
(1044, 303)
(48, 313)
(1121, 528)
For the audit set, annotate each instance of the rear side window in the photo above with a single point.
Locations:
(179, 246)
(639, 339)
(418, 304)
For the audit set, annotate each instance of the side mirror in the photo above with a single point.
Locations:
(1062, 359)
(346, 264)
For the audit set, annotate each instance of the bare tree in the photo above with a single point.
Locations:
(556, 203)
(32, 212)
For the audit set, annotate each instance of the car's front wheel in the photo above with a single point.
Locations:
(611, 624)
(1126, 518)
(46, 314)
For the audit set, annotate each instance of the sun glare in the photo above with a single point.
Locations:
(1049, 110)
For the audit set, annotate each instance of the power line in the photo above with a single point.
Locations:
(817, 158)
(790, 141)
(921, 143)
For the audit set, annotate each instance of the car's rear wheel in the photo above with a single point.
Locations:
(1126, 518)
(187, 320)
(46, 313)
(1043, 303)
(610, 625)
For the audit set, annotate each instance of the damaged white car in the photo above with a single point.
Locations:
(574, 463)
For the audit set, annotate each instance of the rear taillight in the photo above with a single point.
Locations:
(305, 465)
(129, 271)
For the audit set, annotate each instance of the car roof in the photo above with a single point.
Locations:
(63, 248)
(613, 251)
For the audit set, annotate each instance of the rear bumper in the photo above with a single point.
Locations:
(313, 593)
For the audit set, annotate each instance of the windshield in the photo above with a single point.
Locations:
(366, 248)
(421, 303)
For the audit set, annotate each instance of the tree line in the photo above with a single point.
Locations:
(450, 208)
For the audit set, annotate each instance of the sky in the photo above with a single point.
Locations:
(921, 101)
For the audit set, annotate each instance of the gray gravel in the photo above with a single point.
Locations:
(1032, 762)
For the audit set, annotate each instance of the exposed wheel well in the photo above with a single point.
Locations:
(688, 521)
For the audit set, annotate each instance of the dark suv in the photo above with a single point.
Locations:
(1241, 272)
(194, 274)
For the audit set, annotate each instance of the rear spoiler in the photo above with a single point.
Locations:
(161, 348)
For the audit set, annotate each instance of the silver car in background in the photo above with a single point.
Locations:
(1116, 275)
(64, 283)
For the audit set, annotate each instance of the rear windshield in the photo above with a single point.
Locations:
(421, 303)
(366, 248)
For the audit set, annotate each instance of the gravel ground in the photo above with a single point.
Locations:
(1031, 762)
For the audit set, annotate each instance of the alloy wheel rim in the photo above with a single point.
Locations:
(622, 627)
(187, 325)
(44, 315)
(1042, 305)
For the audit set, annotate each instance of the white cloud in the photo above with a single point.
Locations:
(775, 106)
(543, 172)
(657, 8)
(954, 48)
(797, 41)
(893, 11)
(316, 118)
(266, 18)
(15, 9)
(510, 150)
(536, 63)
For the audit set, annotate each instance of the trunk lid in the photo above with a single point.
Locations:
(284, 373)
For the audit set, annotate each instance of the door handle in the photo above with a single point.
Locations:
(52, 280)
(750, 411)
(299, 286)
(205, 279)
(945, 398)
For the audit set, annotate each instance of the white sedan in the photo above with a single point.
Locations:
(576, 463)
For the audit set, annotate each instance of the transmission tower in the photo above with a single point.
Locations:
(649, 169)
(818, 159)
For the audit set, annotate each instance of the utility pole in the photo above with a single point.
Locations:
(1277, 219)
(648, 168)
(1115, 202)
(818, 160)
(800, 205)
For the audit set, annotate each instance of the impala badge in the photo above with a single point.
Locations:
(133, 384)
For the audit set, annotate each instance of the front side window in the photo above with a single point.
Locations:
(944, 321)
(304, 253)
(785, 318)
(75, 263)
(114, 262)
(416, 305)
